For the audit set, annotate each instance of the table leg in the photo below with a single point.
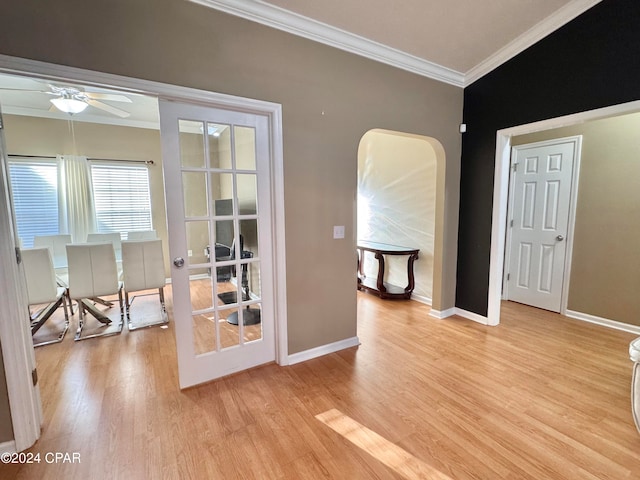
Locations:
(380, 280)
(411, 285)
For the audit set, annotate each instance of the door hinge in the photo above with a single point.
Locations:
(34, 376)
(511, 223)
(18, 256)
(514, 166)
(508, 277)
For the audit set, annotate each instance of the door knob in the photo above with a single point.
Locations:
(560, 238)
(178, 262)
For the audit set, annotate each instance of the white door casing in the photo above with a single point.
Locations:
(208, 344)
(539, 226)
(18, 354)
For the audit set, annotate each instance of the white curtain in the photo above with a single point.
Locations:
(75, 197)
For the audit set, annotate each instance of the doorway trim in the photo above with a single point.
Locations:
(16, 380)
(501, 190)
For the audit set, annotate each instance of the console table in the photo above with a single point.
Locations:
(378, 286)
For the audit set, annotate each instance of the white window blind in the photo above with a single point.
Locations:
(122, 200)
(34, 190)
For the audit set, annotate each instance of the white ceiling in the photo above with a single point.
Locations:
(30, 99)
(455, 41)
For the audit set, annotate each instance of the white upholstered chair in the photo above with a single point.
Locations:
(42, 289)
(58, 246)
(142, 235)
(113, 237)
(143, 269)
(93, 273)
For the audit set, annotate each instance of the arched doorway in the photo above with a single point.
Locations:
(400, 201)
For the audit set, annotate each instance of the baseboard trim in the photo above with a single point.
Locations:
(472, 316)
(8, 447)
(440, 314)
(605, 322)
(323, 350)
(421, 299)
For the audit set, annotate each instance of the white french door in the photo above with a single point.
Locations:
(540, 205)
(218, 193)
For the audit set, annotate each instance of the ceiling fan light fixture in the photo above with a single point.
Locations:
(69, 104)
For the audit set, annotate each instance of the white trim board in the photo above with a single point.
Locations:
(459, 312)
(605, 322)
(440, 314)
(287, 21)
(421, 299)
(323, 350)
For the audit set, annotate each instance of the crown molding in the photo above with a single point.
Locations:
(295, 24)
(539, 31)
(281, 19)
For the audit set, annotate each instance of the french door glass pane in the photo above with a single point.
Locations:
(198, 242)
(201, 291)
(219, 137)
(245, 144)
(249, 232)
(191, 143)
(247, 194)
(252, 330)
(229, 333)
(194, 186)
(204, 333)
(221, 193)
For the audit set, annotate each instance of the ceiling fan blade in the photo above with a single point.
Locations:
(27, 90)
(108, 96)
(108, 108)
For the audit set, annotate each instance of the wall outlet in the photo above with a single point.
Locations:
(338, 231)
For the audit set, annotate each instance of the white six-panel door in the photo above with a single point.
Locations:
(541, 188)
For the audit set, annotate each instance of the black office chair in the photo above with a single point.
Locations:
(250, 316)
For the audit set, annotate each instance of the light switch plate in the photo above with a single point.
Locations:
(338, 231)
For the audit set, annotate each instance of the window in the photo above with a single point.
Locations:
(34, 190)
(122, 200)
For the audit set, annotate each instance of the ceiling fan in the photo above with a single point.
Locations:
(74, 100)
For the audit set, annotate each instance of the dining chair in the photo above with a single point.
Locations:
(143, 269)
(113, 237)
(57, 244)
(142, 235)
(93, 273)
(42, 289)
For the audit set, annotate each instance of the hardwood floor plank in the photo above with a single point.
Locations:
(540, 397)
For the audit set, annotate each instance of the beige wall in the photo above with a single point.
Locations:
(606, 259)
(48, 137)
(329, 99)
(396, 203)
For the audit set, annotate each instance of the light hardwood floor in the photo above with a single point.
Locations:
(539, 397)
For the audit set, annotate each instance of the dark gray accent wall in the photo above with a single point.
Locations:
(590, 63)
